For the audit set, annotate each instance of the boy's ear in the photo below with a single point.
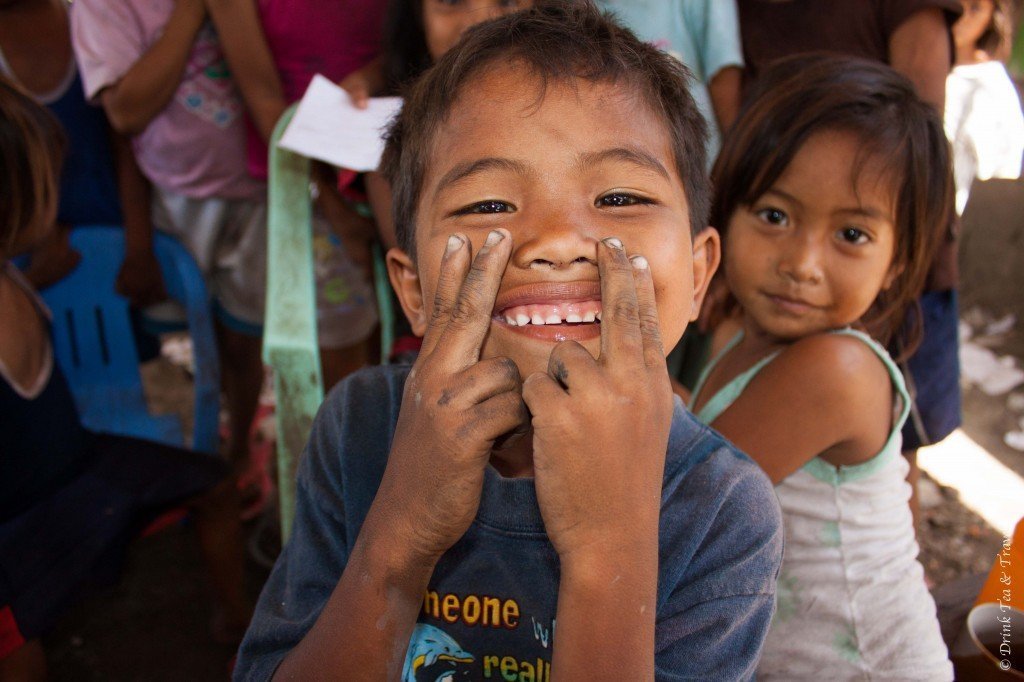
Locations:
(707, 254)
(405, 279)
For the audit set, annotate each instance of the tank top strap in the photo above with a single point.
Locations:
(727, 395)
(901, 408)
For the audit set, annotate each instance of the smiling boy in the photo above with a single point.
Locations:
(450, 514)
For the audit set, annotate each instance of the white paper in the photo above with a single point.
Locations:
(328, 127)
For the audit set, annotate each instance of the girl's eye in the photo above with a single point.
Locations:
(773, 216)
(486, 207)
(618, 199)
(853, 235)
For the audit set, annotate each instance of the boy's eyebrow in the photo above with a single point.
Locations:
(470, 168)
(637, 157)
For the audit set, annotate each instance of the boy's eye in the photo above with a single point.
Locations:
(853, 235)
(486, 207)
(773, 216)
(621, 199)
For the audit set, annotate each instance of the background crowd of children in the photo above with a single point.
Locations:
(165, 109)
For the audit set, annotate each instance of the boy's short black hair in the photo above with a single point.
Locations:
(556, 41)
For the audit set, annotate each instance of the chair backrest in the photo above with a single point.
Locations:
(289, 328)
(95, 346)
(290, 344)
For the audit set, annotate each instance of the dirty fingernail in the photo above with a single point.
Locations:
(613, 242)
(494, 237)
(639, 262)
(454, 242)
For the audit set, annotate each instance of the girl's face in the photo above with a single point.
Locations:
(815, 250)
(445, 20)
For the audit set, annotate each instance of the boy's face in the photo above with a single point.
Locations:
(559, 172)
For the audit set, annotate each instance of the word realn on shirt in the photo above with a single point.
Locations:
(489, 609)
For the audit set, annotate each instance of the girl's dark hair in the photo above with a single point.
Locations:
(804, 95)
(557, 41)
(405, 44)
(31, 148)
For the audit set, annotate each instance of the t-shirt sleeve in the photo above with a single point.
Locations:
(310, 564)
(715, 619)
(715, 28)
(107, 38)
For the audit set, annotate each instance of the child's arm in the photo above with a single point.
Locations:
(364, 83)
(147, 87)
(825, 395)
(453, 409)
(249, 58)
(140, 279)
(724, 89)
(919, 49)
(600, 437)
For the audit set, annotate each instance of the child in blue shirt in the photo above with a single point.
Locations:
(528, 501)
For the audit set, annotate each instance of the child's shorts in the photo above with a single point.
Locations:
(346, 307)
(76, 537)
(933, 373)
(228, 239)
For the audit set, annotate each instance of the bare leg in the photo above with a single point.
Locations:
(912, 478)
(26, 664)
(220, 538)
(242, 379)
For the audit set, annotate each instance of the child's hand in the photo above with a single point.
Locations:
(601, 426)
(453, 409)
(363, 83)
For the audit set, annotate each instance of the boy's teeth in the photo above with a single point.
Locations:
(573, 312)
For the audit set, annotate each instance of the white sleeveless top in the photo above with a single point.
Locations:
(852, 600)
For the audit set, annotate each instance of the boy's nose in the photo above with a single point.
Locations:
(556, 245)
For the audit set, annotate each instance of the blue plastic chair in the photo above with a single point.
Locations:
(95, 347)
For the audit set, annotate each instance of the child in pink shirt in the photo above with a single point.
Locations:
(157, 69)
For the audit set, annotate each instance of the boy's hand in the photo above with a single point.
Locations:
(453, 409)
(601, 426)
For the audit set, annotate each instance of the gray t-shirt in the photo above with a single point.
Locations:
(489, 611)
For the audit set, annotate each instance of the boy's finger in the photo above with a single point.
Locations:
(454, 265)
(497, 416)
(647, 310)
(541, 393)
(470, 316)
(620, 319)
(481, 381)
(571, 365)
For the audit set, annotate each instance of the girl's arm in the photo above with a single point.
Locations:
(724, 89)
(151, 82)
(824, 395)
(249, 58)
(140, 279)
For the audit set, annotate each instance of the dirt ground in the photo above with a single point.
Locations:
(154, 624)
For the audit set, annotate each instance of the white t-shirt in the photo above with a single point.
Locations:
(985, 125)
